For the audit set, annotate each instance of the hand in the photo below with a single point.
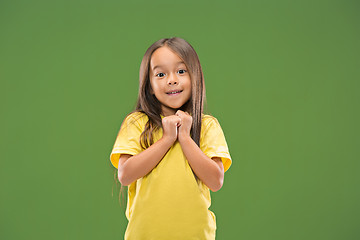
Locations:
(170, 127)
(185, 124)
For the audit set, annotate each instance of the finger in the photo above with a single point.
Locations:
(179, 112)
(182, 115)
(178, 124)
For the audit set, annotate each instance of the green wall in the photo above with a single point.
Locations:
(282, 77)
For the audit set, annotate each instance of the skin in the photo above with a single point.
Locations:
(168, 72)
(172, 75)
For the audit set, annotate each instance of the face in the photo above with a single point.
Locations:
(169, 80)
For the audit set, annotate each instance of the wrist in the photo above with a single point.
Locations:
(184, 138)
(168, 140)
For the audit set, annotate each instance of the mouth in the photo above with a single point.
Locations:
(174, 92)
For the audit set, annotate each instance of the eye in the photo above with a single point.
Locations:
(158, 74)
(183, 71)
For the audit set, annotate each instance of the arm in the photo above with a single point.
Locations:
(134, 167)
(210, 171)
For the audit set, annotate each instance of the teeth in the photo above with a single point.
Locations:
(174, 92)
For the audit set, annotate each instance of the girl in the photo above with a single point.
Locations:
(167, 151)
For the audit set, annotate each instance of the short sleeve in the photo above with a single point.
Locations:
(127, 140)
(213, 143)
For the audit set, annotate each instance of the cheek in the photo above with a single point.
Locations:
(189, 85)
(153, 86)
(156, 89)
(190, 90)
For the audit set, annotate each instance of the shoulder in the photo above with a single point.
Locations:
(208, 123)
(136, 118)
(136, 115)
(207, 120)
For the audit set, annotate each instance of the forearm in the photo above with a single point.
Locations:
(203, 166)
(141, 164)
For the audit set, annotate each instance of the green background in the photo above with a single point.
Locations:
(282, 77)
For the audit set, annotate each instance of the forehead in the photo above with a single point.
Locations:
(164, 57)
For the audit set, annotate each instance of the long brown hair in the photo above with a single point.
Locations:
(147, 102)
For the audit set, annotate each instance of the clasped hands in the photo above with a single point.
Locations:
(178, 126)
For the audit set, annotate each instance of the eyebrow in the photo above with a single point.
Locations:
(157, 66)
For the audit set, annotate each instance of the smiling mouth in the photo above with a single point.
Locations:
(174, 92)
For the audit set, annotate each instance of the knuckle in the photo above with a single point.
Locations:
(165, 121)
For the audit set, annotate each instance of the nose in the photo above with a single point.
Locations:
(172, 80)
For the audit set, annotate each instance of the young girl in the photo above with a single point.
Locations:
(167, 151)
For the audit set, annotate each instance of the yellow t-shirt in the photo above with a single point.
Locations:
(168, 202)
